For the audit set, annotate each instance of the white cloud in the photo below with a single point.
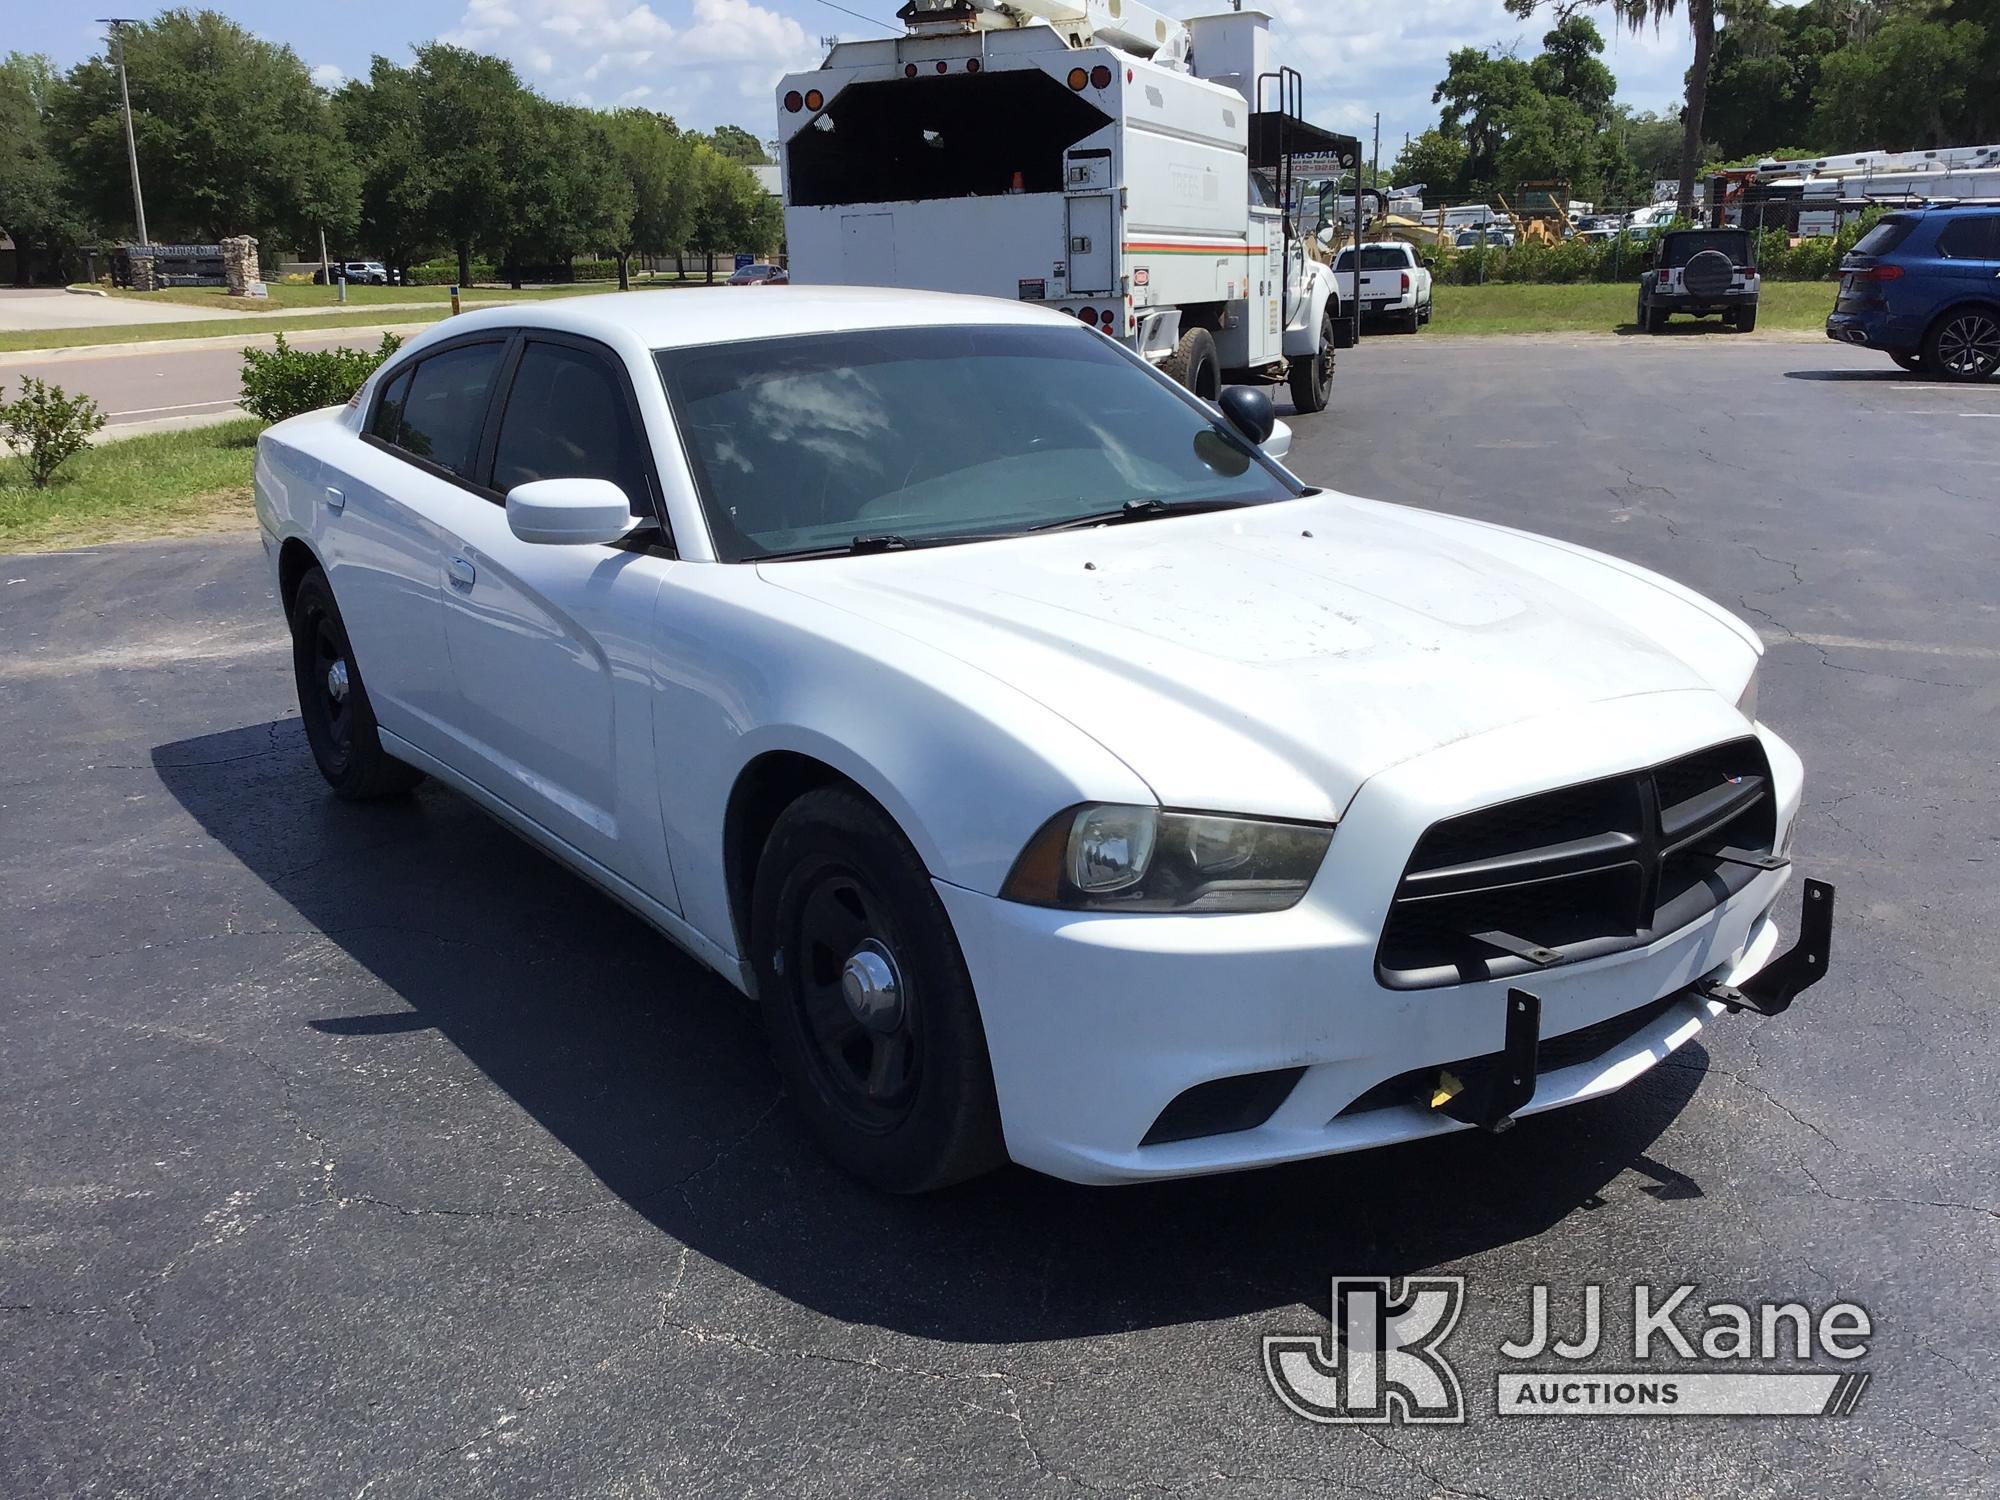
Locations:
(327, 76)
(669, 53)
(1358, 56)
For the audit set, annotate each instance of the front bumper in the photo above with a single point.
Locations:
(1096, 1023)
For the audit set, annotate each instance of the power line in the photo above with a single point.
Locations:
(860, 17)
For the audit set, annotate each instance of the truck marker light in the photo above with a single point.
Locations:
(1078, 79)
(943, 66)
(794, 101)
(1100, 77)
(972, 65)
(814, 99)
(909, 70)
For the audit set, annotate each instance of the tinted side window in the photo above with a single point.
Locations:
(1884, 237)
(389, 410)
(445, 406)
(567, 417)
(1975, 238)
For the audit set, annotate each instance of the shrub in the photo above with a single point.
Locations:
(283, 381)
(445, 272)
(48, 425)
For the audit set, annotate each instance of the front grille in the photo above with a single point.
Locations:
(1578, 872)
(1586, 1044)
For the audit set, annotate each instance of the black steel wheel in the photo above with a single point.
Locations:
(866, 1000)
(1964, 344)
(1312, 379)
(333, 703)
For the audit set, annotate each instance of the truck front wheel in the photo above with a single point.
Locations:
(1194, 365)
(1312, 379)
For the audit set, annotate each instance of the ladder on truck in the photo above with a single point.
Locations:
(1280, 140)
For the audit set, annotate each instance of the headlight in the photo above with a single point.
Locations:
(1101, 857)
(1746, 701)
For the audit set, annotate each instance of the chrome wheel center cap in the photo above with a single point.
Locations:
(872, 987)
(336, 681)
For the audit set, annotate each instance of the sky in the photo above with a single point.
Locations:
(711, 62)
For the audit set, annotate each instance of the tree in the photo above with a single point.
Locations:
(568, 194)
(1551, 139)
(1437, 160)
(1478, 91)
(35, 203)
(1569, 68)
(1701, 23)
(233, 136)
(656, 161)
(731, 210)
(382, 118)
(739, 145)
(1907, 86)
(473, 116)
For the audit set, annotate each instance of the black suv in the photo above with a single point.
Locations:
(1701, 271)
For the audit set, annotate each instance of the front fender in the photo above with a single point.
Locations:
(1303, 339)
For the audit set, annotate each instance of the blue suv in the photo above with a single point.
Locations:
(1923, 286)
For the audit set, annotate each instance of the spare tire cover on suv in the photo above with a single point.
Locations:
(1708, 273)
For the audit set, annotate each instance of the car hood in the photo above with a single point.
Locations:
(1272, 659)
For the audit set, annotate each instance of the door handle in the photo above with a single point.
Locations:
(461, 573)
(335, 501)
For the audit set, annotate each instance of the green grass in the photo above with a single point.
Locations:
(1607, 308)
(290, 297)
(289, 315)
(71, 338)
(162, 484)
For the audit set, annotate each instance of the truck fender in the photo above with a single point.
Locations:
(1303, 337)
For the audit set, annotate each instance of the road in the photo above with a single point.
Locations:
(146, 383)
(363, 1151)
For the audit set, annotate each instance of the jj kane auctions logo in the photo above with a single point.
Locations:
(1383, 1359)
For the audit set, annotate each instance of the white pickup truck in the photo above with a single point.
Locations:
(1394, 283)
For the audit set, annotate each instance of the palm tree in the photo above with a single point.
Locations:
(1636, 14)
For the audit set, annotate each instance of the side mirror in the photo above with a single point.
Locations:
(1249, 411)
(569, 512)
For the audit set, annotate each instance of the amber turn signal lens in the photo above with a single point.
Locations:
(1078, 79)
(814, 99)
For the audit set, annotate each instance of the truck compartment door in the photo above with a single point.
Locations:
(1093, 253)
(868, 249)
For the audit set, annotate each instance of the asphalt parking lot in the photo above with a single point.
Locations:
(364, 1151)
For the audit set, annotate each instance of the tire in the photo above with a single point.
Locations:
(1914, 363)
(1413, 320)
(904, 1101)
(1312, 379)
(1427, 314)
(1194, 364)
(1746, 319)
(1964, 344)
(333, 702)
(1707, 274)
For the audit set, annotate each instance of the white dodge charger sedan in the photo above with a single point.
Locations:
(1065, 780)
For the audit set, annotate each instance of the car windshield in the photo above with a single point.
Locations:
(1683, 248)
(924, 435)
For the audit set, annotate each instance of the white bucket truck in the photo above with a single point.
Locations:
(1119, 164)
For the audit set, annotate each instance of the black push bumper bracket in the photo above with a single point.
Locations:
(1772, 989)
(1490, 1099)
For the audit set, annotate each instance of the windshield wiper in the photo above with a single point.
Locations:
(887, 541)
(1145, 509)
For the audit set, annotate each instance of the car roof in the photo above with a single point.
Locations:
(678, 318)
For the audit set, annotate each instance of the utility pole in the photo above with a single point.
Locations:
(1376, 171)
(118, 25)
